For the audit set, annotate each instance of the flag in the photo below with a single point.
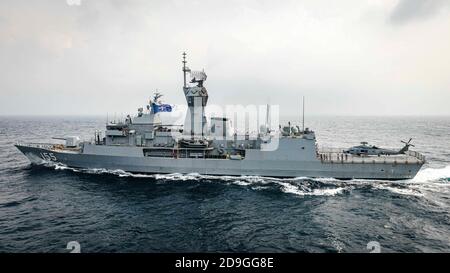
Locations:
(161, 108)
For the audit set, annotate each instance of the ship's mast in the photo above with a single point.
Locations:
(303, 115)
(196, 98)
(184, 69)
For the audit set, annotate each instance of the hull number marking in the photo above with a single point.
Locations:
(48, 156)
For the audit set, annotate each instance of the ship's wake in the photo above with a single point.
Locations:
(433, 174)
(427, 181)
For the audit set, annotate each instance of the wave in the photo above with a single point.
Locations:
(399, 190)
(429, 179)
(294, 186)
(294, 189)
(433, 174)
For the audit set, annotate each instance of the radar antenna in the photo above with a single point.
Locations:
(198, 77)
(157, 96)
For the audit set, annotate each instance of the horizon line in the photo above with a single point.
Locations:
(312, 115)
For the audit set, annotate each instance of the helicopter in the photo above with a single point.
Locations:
(365, 149)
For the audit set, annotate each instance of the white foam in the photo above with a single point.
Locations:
(260, 188)
(431, 174)
(328, 192)
(291, 185)
(328, 179)
(402, 191)
(290, 188)
(287, 185)
(242, 183)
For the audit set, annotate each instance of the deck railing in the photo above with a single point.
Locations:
(333, 155)
(47, 146)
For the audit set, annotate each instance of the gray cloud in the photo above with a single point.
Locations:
(108, 56)
(410, 10)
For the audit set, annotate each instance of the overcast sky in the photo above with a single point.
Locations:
(352, 57)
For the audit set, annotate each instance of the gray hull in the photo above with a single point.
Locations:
(276, 167)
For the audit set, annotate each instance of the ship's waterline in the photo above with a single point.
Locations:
(271, 168)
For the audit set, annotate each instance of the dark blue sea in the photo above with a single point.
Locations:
(44, 208)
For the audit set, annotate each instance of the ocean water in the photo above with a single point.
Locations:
(44, 208)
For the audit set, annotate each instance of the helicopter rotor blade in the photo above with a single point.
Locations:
(408, 142)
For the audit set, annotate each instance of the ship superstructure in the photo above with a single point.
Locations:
(143, 144)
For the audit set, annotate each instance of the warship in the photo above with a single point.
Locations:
(143, 144)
